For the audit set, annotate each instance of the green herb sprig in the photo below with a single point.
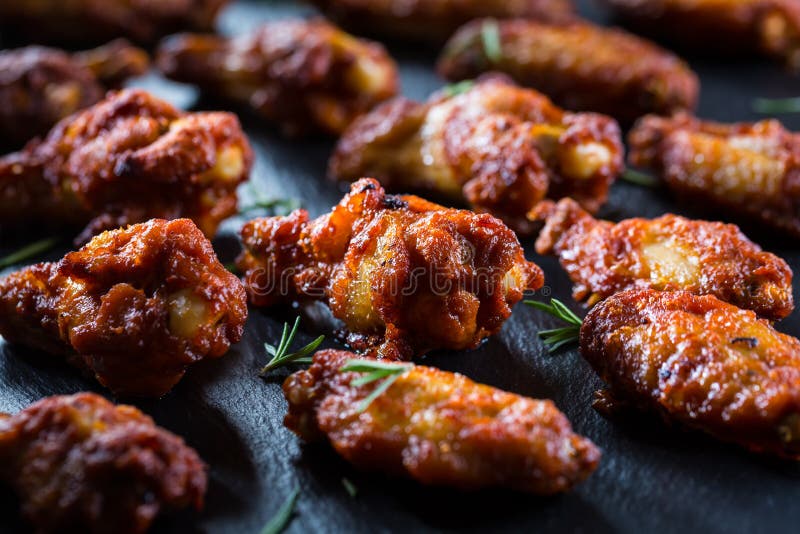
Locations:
(490, 38)
(558, 337)
(639, 178)
(28, 251)
(281, 519)
(349, 487)
(776, 106)
(459, 88)
(281, 355)
(262, 202)
(375, 370)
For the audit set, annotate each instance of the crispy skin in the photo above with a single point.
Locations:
(40, 86)
(135, 307)
(129, 158)
(497, 147)
(81, 464)
(701, 362)
(433, 21)
(439, 428)
(752, 170)
(404, 275)
(580, 66)
(305, 76)
(667, 253)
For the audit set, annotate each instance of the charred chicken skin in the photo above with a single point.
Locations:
(700, 362)
(498, 147)
(439, 428)
(580, 66)
(667, 253)
(135, 307)
(404, 275)
(81, 464)
(130, 158)
(749, 169)
(305, 76)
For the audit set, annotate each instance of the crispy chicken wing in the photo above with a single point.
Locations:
(701, 362)
(305, 76)
(499, 147)
(125, 160)
(750, 169)
(81, 464)
(135, 307)
(40, 86)
(581, 66)
(404, 275)
(439, 428)
(667, 253)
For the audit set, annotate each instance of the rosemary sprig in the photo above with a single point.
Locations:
(262, 202)
(349, 487)
(639, 178)
(281, 519)
(375, 370)
(28, 251)
(777, 105)
(556, 338)
(456, 89)
(490, 37)
(280, 354)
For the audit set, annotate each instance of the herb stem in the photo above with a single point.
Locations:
(639, 178)
(29, 251)
(490, 37)
(556, 338)
(776, 105)
(281, 519)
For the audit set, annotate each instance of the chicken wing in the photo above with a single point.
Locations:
(135, 307)
(749, 169)
(129, 158)
(580, 66)
(305, 76)
(80, 464)
(499, 147)
(439, 428)
(667, 253)
(700, 362)
(404, 275)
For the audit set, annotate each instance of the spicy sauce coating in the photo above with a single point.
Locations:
(439, 428)
(404, 275)
(135, 307)
(700, 362)
(81, 464)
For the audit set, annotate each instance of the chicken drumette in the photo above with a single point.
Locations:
(498, 147)
(404, 275)
(80, 464)
(135, 307)
(305, 76)
(125, 160)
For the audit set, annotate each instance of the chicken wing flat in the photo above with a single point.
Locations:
(404, 275)
(700, 362)
(580, 66)
(82, 464)
(749, 169)
(435, 20)
(125, 160)
(498, 147)
(40, 86)
(305, 76)
(439, 428)
(667, 253)
(135, 307)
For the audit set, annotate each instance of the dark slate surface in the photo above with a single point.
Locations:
(651, 479)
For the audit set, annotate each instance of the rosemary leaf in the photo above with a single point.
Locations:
(349, 487)
(776, 106)
(281, 519)
(456, 89)
(639, 178)
(280, 355)
(490, 37)
(28, 251)
(376, 370)
(377, 392)
(556, 338)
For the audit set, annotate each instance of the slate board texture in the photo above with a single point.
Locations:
(651, 478)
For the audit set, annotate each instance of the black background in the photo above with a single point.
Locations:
(651, 478)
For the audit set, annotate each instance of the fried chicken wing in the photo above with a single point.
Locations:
(749, 169)
(499, 147)
(81, 464)
(700, 362)
(40, 86)
(125, 160)
(404, 275)
(580, 66)
(667, 253)
(439, 428)
(305, 76)
(135, 307)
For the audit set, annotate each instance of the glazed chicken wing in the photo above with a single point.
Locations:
(439, 428)
(129, 158)
(80, 464)
(404, 275)
(749, 169)
(497, 147)
(580, 66)
(135, 307)
(667, 253)
(700, 362)
(305, 76)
